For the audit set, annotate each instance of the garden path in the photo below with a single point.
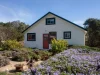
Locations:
(12, 67)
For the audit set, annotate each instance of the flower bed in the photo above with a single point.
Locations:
(71, 61)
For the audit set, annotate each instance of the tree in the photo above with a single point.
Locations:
(12, 30)
(93, 32)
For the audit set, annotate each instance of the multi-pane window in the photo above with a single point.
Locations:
(31, 37)
(67, 35)
(50, 21)
(52, 35)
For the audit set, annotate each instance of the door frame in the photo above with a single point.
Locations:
(43, 40)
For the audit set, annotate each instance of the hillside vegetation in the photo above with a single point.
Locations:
(12, 30)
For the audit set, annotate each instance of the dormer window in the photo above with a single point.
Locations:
(50, 21)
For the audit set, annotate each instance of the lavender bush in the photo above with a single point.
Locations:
(4, 61)
(71, 62)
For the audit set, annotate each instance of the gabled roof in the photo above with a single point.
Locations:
(57, 16)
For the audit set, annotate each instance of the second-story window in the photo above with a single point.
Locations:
(50, 21)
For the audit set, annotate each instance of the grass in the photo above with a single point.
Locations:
(86, 48)
(4, 73)
(1, 49)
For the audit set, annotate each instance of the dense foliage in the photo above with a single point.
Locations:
(11, 44)
(3, 61)
(43, 54)
(23, 54)
(58, 45)
(93, 32)
(12, 30)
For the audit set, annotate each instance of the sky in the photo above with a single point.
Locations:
(29, 11)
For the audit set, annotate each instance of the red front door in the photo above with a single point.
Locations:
(45, 41)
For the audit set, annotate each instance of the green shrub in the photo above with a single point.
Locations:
(12, 44)
(6, 53)
(1, 49)
(18, 58)
(63, 73)
(58, 45)
(22, 55)
(68, 69)
(32, 54)
(36, 57)
(4, 61)
(43, 54)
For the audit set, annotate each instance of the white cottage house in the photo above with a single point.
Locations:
(40, 33)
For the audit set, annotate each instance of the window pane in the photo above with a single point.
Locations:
(67, 35)
(31, 37)
(50, 21)
(51, 36)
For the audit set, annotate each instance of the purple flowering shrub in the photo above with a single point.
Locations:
(71, 61)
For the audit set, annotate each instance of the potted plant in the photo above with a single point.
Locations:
(19, 67)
